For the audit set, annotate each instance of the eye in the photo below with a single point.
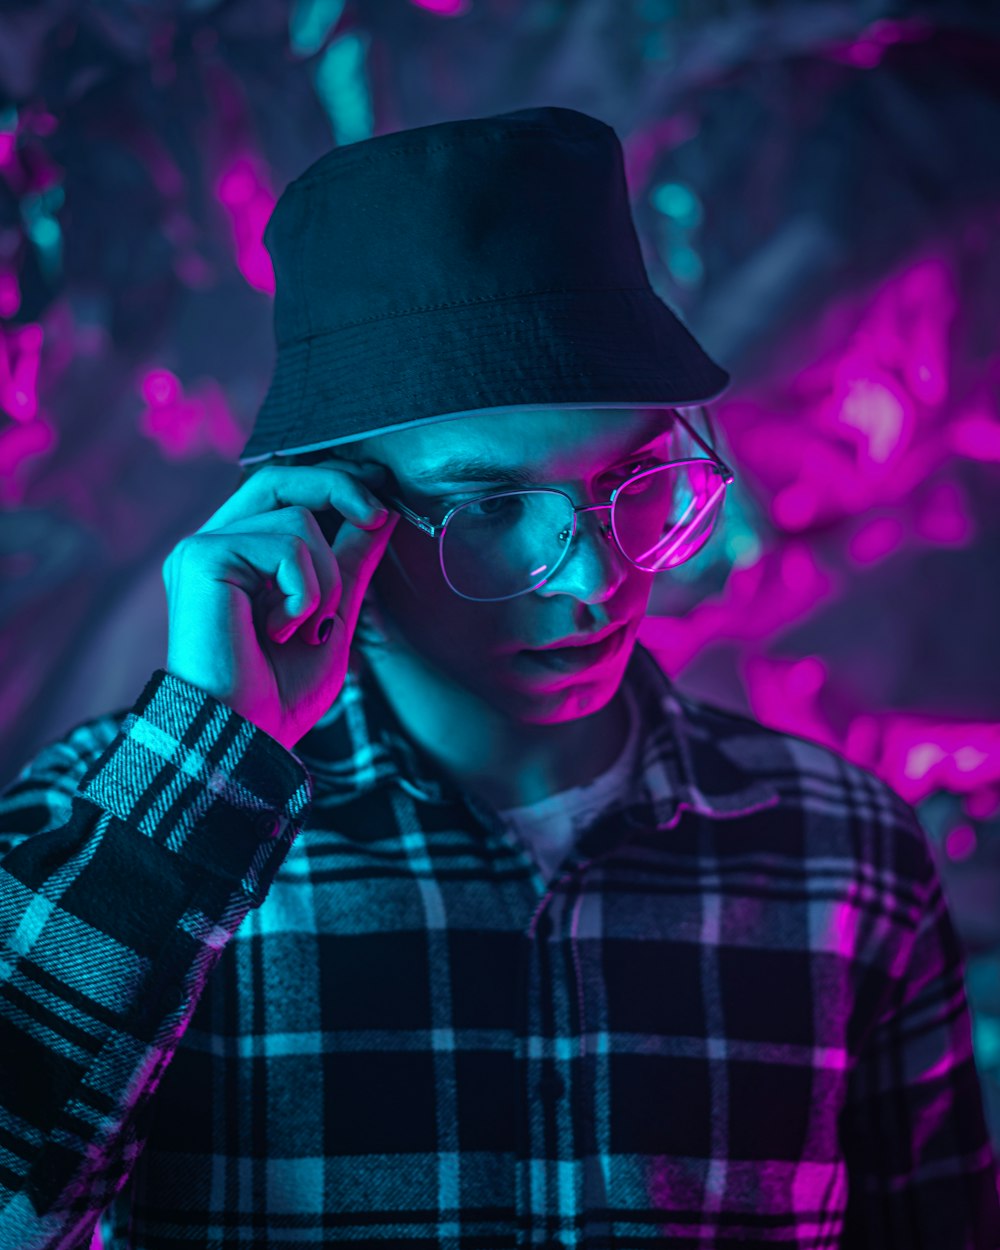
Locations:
(620, 475)
(493, 510)
(494, 505)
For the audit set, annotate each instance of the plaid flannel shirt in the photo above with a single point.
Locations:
(259, 998)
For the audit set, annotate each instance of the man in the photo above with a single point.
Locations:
(475, 933)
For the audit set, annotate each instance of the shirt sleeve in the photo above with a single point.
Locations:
(921, 1167)
(130, 852)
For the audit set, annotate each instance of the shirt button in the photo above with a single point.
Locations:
(551, 1087)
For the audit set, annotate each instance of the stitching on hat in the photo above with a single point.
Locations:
(489, 299)
(300, 278)
(405, 150)
(300, 405)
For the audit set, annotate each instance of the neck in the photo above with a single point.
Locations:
(508, 763)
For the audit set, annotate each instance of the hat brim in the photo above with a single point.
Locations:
(604, 348)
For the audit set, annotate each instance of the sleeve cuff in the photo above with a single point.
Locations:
(204, 782)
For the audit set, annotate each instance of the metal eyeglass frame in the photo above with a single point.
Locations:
(428, 527)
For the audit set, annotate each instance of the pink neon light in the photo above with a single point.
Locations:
(918, 756)
(19, 443)
(186, 426)
(784, 694)
(243, 192)
(960, 842)
(861, 438)
(20, 351)
(863, 55)
(10, 293)
(983, 804)
(876, 540)
(871, 46)
(160, 388)
(443, 8)
(867, 423)
(976, 436)
(879, 412)
(863, 741)
(943, 518)
(794, 507)
(758, 601)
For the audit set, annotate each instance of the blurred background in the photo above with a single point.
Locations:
(817, 191)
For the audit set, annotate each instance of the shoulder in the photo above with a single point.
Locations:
(798, 766)
(831, 801)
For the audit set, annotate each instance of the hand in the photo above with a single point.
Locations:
(261, 608)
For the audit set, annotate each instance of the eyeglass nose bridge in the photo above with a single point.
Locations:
(606, 526)
(590, 507)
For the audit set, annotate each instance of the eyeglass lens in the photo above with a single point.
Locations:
(508, 543)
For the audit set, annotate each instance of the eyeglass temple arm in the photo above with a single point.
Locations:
(701, 442)
(421, 522)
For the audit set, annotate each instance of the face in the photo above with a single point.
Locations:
(494, 649)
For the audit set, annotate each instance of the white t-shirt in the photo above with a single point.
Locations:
(549, 827)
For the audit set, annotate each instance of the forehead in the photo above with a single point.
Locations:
(539, 436)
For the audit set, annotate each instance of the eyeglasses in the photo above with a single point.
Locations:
(508, 543)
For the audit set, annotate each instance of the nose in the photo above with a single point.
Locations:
(594, 568)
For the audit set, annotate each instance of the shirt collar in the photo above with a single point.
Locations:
(689, 751)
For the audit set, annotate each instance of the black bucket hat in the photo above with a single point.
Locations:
(472, 265)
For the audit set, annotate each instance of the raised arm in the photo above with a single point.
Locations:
(133, 848)
(131, 851)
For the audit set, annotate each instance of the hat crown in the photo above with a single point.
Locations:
(454, 213)
(473, 265)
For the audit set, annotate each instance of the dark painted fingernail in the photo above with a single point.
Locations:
(324, 629)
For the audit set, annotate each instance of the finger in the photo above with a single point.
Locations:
(296, 580)
(358, 553)
(303, 524)
(253, 562)
(315, 487)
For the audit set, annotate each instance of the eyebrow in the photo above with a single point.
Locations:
(482, 469)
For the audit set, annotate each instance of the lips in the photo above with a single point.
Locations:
(574, 655)
(579, 640)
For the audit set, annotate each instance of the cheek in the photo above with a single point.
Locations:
(427, 612)
(418, 554)
(408, 580)
(635, 590)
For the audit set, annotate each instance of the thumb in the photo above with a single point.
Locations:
(358, 553)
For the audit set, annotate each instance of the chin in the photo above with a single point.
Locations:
(566, 699)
